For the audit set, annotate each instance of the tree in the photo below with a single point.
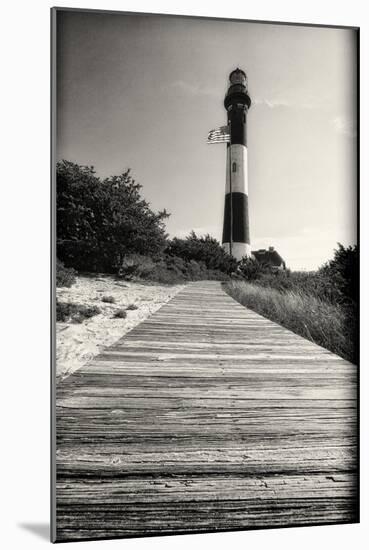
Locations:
(100, 221)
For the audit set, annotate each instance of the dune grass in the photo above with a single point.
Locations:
(76, 313)
(321, 322)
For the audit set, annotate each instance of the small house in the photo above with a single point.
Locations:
(269, 257)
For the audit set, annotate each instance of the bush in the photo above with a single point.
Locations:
(66, 311)
(317, 320)
(136, 265)
(131, 307)
(65, 276)
(195, 270)
(108, 299)
(120, 314)
(170, 270)
(161, 274)
(343, 273)
(251, 269)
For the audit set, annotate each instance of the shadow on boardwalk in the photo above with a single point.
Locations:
(206, 416)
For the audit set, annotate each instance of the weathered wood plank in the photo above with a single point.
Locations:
(206, 416)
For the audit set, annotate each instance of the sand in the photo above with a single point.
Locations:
(78, 343)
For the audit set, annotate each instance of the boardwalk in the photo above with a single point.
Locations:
(206, 416)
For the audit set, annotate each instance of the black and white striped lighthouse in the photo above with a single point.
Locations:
(236, 232)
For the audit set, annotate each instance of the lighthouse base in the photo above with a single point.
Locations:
(239, 250)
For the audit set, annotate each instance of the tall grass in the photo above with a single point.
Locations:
(317, 320)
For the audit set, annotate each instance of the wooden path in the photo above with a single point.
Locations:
(204, 417)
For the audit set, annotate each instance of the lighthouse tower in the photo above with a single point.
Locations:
(236, 232)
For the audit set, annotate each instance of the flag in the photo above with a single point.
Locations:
(219, 135)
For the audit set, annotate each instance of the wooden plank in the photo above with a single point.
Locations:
(206, 416)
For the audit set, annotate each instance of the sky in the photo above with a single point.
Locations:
(143, 92)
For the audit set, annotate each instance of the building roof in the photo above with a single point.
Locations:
(269, 256)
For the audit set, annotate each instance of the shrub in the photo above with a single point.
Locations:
(120, 314)
(195, 270)
(343, 273)
(135, 265)
(65, 276)
(167, 269)
(175, 263)
(251, 269)
(161, 274)
(108, 299)
(66, 311)
(131, 307)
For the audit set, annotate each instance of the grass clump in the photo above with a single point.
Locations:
(120, 314)
(108, 299)
(320, 321)
(65, 276)
(77, 313)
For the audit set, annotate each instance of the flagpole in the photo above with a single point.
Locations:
(221, 135)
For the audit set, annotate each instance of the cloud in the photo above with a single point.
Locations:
(271, 103)
(194, 89)
(275, 103)
(345, 126)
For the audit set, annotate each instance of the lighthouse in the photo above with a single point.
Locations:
(236, 231)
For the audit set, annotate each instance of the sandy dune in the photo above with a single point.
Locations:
(77, 343)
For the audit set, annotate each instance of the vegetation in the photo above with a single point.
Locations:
(203, 250)
(100, 221)
(135, 266)
(343, 274)
(104, 225)
(319, 321)
(321, 306)
(120, 314)
(65, 276)
(66, 311)
(108, 299)
(167, 269)
(335, 282)
(251, 270)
